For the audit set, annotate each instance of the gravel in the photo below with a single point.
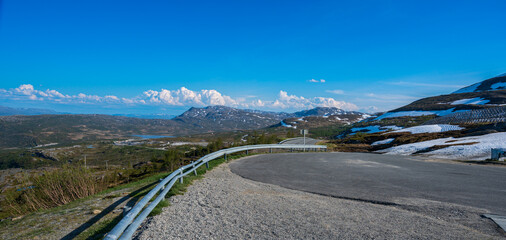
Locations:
(224, 205)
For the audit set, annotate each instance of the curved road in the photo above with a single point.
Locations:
(300, 140)
(383, 179)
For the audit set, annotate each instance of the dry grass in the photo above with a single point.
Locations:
(53, 188)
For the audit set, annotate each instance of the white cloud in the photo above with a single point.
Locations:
(257, 103)
(336, 91)
(390, 97)
(179, 97)
(111, 98)
(294, 102)
(316, 81)
(25, 89)
(186, 97)
(369, 109)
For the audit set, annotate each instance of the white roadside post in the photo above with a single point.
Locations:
(304, 132)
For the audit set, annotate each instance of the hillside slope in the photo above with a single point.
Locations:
(489, 93)
(462, 125)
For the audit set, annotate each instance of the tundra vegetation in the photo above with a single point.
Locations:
(66, 175)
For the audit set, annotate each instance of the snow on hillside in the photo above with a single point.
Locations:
(477, 101)
(478, 150)
(386, 141)
(471, 88)
(374, 129)
(284, 124)
(417, 113)
(434, 128)
(499, 85)
(491, 84)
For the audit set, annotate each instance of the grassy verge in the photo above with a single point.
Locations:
(98, 230)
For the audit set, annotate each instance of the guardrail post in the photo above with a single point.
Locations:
(246, 152)
(270, 150)
(181, 177)
(225, 157)
(207, 165)
(194, 169)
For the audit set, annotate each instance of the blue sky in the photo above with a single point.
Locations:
(164, 56)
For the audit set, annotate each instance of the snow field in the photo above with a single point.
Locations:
(480, 150)
(434, 128)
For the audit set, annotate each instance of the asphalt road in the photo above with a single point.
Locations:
(380, 179)
(309, 141)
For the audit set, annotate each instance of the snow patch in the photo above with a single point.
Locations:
(285, 125)
(418, 113)
(386, 141)
(478, 151)
(431, 128)
(374, 129)
(499, 85)
(476, 100)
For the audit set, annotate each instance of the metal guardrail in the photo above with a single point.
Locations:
(128, 225)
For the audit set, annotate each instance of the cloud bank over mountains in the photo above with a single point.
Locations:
(178, 97)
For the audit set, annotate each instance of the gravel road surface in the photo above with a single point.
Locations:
(224, 205)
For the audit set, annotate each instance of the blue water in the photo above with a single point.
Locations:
(152, 136)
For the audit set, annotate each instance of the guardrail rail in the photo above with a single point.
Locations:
(132, 220)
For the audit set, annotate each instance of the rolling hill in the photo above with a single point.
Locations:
(7, 111)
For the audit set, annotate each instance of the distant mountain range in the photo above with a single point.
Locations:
(147, 116)
(7, 111)
(23, 131)
(226, 118)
